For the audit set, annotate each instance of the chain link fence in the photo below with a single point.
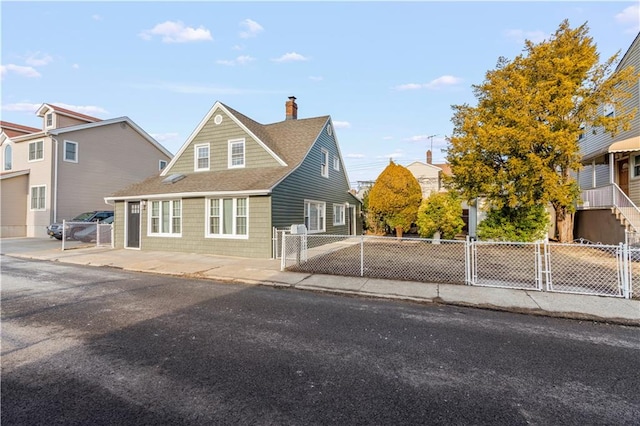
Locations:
(594, 269)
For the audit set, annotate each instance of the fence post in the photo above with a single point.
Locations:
(626, 273)
(467, 261)
(64, 232)
(283, 256)
(362, 255)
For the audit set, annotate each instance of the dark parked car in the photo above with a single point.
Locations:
(90, 233)
(55, 229)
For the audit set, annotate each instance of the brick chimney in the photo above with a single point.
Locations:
(291, 108)
(429, 157)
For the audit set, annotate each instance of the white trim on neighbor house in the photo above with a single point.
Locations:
(240, 162)
(36, 158)
(164, 229)
(191, 195)
(14, 174)
(324, 162)
(339, 214)
(218, 106)
(320, 224)
(75, 152)
(336, 163)
(41, 198)
(214, 208)
(197, 157)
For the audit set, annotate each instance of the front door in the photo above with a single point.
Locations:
(623, 176)
(351, 215)
(133, 224)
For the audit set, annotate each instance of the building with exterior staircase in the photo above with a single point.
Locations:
(610, 179)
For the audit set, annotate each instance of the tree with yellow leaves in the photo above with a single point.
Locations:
(519, 145)
(395, 198)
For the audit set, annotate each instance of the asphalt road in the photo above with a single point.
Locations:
(99, 346)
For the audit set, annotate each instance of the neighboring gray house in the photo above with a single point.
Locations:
(233, 181)
(68, 166)
(610, 179)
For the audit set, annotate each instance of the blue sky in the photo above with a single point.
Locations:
(386, 72)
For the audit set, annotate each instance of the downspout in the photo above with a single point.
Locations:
(55, 181)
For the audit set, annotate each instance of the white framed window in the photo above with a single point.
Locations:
(608, 110)
(336, 163)
(314, 216)
(324, 162)
(162, 164)
(227, 217)
(71, 151)
(8, 157)
(165, 218)
(236, 153)
(38, 197)
(36, 151)
(201, 157)
(49, 120)
(338, 214)
(636, 166)
(217, 119)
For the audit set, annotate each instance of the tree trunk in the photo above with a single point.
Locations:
(398, 231)
(564, 225)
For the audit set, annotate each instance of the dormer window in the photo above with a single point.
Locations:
(49, 120)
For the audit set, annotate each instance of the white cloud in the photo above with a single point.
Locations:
(315, 78)
(393, 155)
(251, 28)
(176, 32)
(237, 47)
(341, 124)
(630, 16)
(38, 59)
(31, 107)
(75, 66)
(520, 36)
(21, 107)
(240, 60)
(438, 83)
(19, 70)
(96, 17)
(291, 57)
(83, 109)
(164, 137)
(355, 156)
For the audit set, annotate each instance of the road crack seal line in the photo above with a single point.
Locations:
(533, 300)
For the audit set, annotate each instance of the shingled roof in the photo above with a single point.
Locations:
(290, 140)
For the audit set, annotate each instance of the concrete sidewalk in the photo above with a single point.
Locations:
(267, 272)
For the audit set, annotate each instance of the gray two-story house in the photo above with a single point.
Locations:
(610, 178)
(233, 181)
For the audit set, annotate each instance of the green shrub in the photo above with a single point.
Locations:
(441, 212)
(524, 224)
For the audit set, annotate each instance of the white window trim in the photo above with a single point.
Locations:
(195, 157)
(336, 163)
(609, 110)
(4, 157)
(207, 215)
(229, 156)
(149, 217)
(64, 153)
(344, 215)
(324, 162)
(633, 164)
(324, 216)
(29, 152)
(160, 164)
(53, 120)
(44, 207)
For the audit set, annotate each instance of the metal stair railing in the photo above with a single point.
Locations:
(611, 196)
